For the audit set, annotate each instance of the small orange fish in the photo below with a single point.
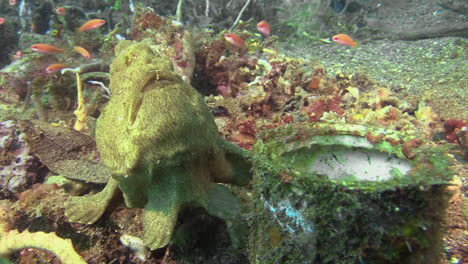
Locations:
(2, 20)
(234, 40)
(60, 11)
(46, 48)
(344, 39)
(82, 51)
(55, 67)
(264, 28)
(92, 24)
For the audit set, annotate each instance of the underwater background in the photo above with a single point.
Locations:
(234, 131)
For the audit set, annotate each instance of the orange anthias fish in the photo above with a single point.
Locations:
(2, 20)
(264, 28)
(55, 67)
(46, 48)
(344, 39)
(82, 51)
(60, 11)
(234, 39)
(92, 24)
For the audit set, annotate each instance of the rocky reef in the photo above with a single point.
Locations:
(345, 168)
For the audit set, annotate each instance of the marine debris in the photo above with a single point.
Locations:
(330, 191)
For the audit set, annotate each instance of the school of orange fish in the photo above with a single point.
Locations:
(235, 40)
(50, 49)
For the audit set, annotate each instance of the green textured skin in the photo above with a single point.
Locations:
(162, 146)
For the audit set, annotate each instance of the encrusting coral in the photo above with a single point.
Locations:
(162, 146)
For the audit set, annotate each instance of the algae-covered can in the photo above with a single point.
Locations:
(342, 193)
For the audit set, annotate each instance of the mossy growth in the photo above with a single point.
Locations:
(313, 218)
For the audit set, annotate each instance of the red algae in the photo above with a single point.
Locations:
(314, 84)
(374, 138)
(451, 128)
(333, 105)
(409, 146)
(315, 111)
